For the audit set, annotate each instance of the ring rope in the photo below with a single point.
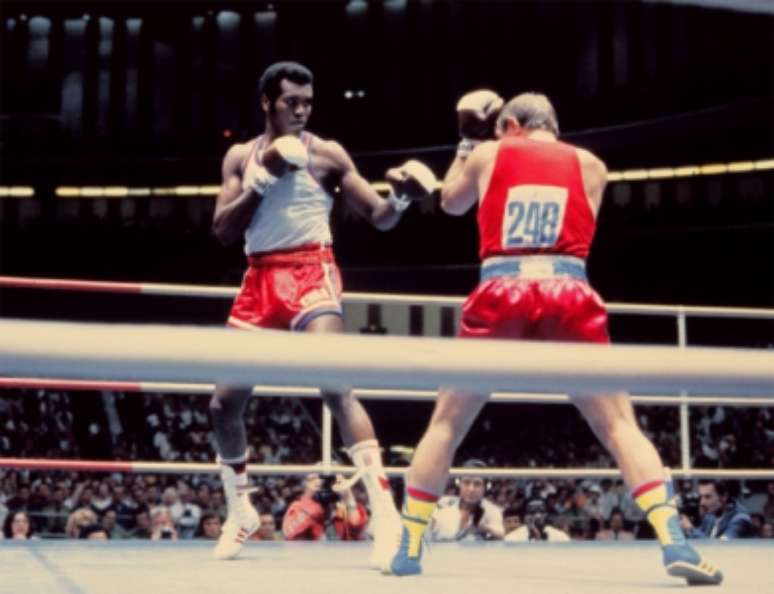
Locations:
(211, 291)
(144, 467)
(215, 355)
(360, 393)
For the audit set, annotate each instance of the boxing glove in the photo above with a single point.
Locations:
(284, 154)
(477, 113)
(411, 181)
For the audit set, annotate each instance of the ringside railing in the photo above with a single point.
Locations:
(679, 312)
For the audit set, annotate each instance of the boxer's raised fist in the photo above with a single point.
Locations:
(477, 113)
(413, 180)
(286, 153)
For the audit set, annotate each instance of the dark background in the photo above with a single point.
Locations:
(149, 94)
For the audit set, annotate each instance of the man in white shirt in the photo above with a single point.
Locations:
(468, 516)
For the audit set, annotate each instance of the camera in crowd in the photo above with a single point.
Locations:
(325, 495)
(689, 506)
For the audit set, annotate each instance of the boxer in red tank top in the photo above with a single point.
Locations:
(536, 224)
(537, 203)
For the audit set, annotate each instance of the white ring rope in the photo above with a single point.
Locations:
(360, 393)
(211, 355)
(143, 467)
(182, 290)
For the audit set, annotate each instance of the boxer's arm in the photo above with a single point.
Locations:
(594, 174)
(460, 189)
(357, 191)
(234, 207)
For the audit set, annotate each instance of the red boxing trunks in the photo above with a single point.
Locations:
(287, 289)
(535, 298)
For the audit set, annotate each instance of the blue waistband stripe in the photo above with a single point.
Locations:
(534, 267)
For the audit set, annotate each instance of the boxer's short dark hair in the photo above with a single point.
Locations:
(271, 78)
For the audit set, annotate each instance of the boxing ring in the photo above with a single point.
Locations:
(143, 358)
(186, 567)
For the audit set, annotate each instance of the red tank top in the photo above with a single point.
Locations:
(536, 202)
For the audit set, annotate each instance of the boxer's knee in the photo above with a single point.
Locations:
(340, 402)
(456, 411)
(227, 402)
(607, 416)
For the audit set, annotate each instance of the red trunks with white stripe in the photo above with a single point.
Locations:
(287, 289)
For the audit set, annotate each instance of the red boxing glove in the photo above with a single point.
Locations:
(477, 113)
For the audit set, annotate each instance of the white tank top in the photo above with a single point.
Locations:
(294, 212)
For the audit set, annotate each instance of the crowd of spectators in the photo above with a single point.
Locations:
(123, 506)
(119, 426)
(130, 426)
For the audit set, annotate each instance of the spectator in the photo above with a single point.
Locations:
(185, 513)
(210, 526)
(535, 525)
(757, 521)
(81, 497)
(142, 525)
(21, 499)
(3, 512)
(609, 499)
(55, 512)
(128, 505)
(511, 520)
(768, 507)
(103, 499)
(721, 515)
(81, 517)
(688, 500)
(112, 528)
(162, 526)
(325, 509)
(468, 515)
(204, 496)
(592, 508)
(92, 532)
(767, 530)
(615, 528)
(268, 528)
(17, 526)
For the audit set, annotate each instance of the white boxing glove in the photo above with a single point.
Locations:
(259, 180)
(284, 154)
(289, 149)
(422, 175)
(411, 181)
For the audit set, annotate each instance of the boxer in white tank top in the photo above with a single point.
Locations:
(295, 212)
(292, 281)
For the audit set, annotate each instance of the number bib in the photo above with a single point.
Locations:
(533, 216)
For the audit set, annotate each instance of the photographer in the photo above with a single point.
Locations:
(162, 526)
(327, 509)
(536, 526)
(721, 515)
(468, 515)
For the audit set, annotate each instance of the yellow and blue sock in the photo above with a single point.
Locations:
(418, 507)
(656, 500)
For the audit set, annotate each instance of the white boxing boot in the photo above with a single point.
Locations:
(242, 518)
